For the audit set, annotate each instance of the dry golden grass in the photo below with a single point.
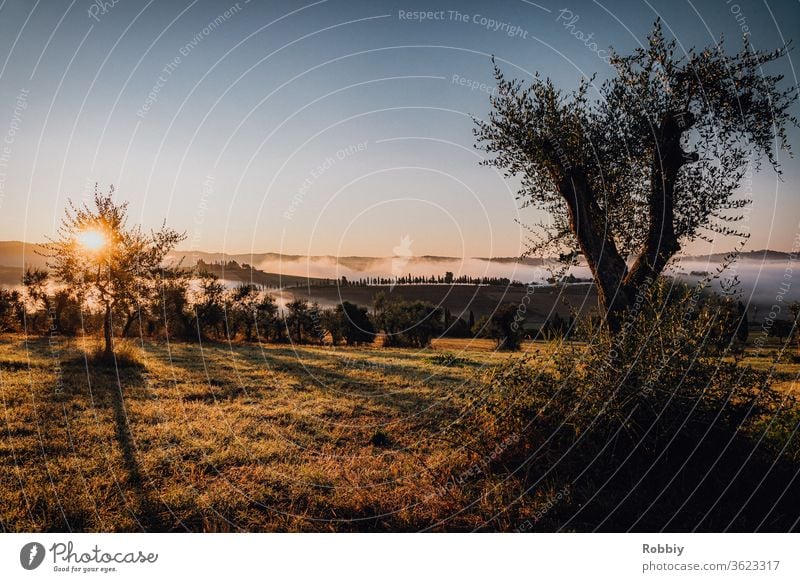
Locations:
(236, 437)
(247, 437)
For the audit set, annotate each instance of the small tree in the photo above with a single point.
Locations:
(743, 325)
(781, 328)
(654, 161)
(268, 324)
(332, 323)
(170, 306)
(299, 324)
(66, 312)
(242, 310)
(355, 324)
(248, 309)
(502, 326)
(208, 305)
(422, 321)
(385, 317)
(101, 258)
(35, 283)
(11, 310)
(458, 328)
(407, 323)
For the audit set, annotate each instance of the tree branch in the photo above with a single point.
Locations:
(661, 242)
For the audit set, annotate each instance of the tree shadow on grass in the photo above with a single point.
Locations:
(111, 385)
(404, 401)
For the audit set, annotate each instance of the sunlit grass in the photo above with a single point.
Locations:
(219, 437)
(249, 437)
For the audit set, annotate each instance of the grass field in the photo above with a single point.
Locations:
(246, 437)
(223, 438)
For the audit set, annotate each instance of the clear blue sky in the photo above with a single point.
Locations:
(334, 127)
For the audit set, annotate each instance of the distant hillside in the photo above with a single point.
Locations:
(354, 263)
(233, 271)
(15, 255)
(18, 254)
(529, 261)
(762, 255)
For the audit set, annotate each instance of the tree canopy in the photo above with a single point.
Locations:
(97, 256)
(654, 160)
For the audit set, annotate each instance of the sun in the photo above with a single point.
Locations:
(92, 240)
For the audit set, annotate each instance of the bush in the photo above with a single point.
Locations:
(557, 326)
(127, 354)
(651, 429)
(448, 360)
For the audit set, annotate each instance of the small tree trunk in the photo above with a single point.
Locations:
(128, 323)
(108, 352)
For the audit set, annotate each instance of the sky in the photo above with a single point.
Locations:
(328, 127)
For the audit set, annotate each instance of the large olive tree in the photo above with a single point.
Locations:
(653, 161)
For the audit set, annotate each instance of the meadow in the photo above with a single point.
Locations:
(235, 437)
(247, 437)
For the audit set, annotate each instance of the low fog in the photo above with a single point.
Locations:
(759, 280)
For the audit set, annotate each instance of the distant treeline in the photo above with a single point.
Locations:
(191, 306)
(219, 267)
(447, 279)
